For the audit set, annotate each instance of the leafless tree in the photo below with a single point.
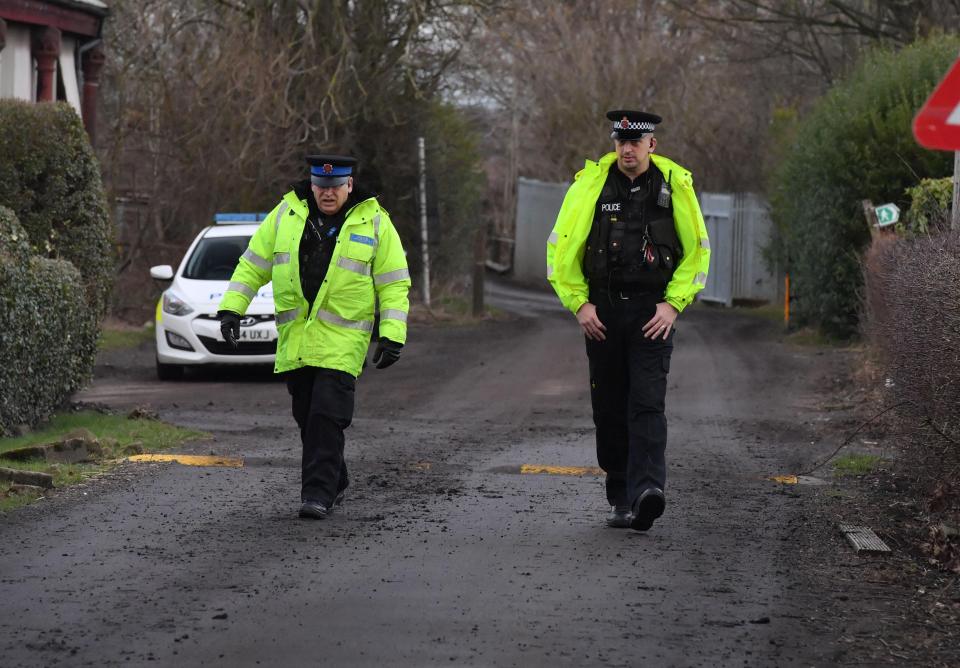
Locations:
(549, 72)
(214, 103)
(816, 38)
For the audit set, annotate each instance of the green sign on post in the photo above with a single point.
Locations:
(887, 214)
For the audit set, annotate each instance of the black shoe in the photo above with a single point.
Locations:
(620, 517)
(339, 500)
(314, 510)
(648, 507)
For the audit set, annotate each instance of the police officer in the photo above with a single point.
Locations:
(627, 254)
(332, 254)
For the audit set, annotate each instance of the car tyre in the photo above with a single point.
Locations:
(169, 371)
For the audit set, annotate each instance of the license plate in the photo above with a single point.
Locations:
(256, 335)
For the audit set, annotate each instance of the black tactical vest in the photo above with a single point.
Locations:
(633, 244)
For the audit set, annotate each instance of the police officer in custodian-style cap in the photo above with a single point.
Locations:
(333, 254)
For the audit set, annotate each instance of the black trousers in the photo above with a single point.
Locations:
(323, 409)
(628, 386)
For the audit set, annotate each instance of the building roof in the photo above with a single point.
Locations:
(96, 6)
(81, 17)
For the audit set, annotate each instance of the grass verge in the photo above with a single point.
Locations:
(453, 310)
(115, 432)
(118, 338)
(809, 336)
(771, 312)
(855, 464)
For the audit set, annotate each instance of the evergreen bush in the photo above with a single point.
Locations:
(929, 207)
(47, 337)
(50, 178)
(855, 144)
(56, 260)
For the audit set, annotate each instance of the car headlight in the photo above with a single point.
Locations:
(173, 305)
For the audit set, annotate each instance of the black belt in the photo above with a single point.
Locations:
(624, 293)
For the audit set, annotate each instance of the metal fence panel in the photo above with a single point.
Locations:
(752, 280)
(717, 214)
(738, 225)
(538, 204)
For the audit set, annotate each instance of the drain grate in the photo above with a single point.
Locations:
(863, 539)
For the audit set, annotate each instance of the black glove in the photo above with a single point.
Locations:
(230, 327)
(387, 353)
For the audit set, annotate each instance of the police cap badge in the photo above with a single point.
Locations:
(328, 170)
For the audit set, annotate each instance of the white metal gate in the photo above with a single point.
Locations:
(738, 225)
(739, 228)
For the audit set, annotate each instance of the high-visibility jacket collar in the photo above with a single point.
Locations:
(302, 209)
(597, 169)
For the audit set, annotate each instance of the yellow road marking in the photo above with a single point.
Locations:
(561, 470)
(190, 460)
(785, 479)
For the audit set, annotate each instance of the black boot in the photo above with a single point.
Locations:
(647, 508)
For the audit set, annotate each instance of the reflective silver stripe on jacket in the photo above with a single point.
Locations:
(256, 260)
(282, 210)
(354, 266)
(701, 279)
(705, 243)
(549, 270)
(246, 290)
(281, 258)
(376, 238)
(393, 314)
(391, 276)
(553, 238)
(333, 318)
(283, 317)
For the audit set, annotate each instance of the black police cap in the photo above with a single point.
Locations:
(327, 170)
(629, 125)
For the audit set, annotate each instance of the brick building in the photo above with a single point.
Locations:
(52, 50)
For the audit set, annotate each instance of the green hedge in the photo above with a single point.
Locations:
(855, 144)
(47, 337)
(50, 178)
(930, 203)
(57, 260)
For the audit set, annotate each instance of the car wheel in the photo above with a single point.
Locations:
(169, 371)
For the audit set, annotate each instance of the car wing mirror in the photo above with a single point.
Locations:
(162, 272)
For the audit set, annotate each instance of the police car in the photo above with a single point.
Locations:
(188, 330)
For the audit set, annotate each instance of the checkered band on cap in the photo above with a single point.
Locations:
(625, 124)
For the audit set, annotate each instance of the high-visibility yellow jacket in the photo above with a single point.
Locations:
(566, 244)
(368, 265)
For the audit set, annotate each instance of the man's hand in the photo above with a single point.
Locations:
(661, 323)
(387, 353)
(230, 327)
(590, 323)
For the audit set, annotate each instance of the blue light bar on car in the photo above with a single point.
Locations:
(238, 218)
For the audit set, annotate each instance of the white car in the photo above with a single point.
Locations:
(188, 330)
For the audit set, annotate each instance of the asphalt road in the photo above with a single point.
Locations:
(444, 554)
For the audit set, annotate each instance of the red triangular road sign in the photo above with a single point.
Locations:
(938, 123)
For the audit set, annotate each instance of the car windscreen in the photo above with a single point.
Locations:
(215, 258)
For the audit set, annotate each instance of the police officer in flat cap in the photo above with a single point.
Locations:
(627, 254)
(333, 256)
